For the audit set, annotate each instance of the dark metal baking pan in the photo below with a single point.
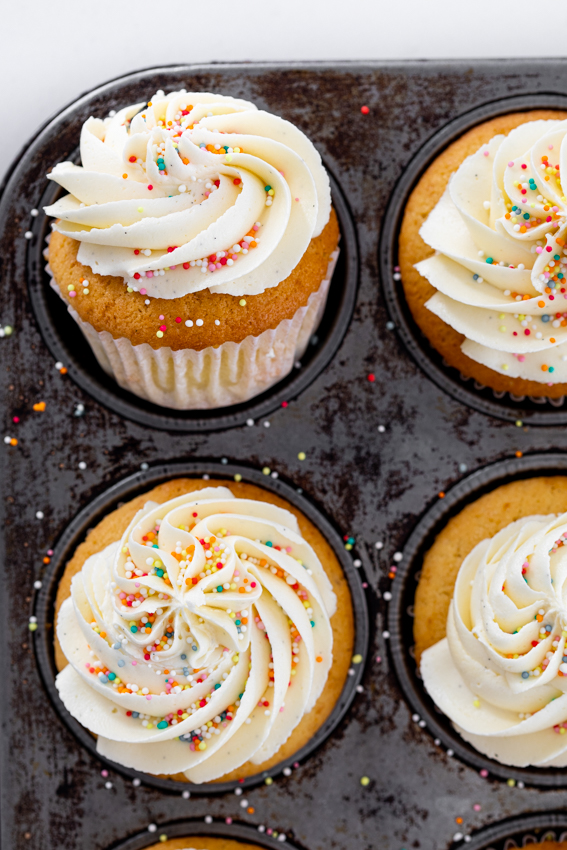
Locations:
(540, 411)
(124, 491)
(400, 615)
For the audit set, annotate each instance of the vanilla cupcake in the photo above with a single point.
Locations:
(195, 247)
(203, 632)
(206, 842)
(483, 254)
(497, 666)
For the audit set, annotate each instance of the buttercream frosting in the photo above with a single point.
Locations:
(499, 234)
(200, 639)
(192, 191)
(500, 674)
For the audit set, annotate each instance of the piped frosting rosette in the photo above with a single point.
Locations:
(192, 191)
(200, 640)
(499, 233)
(500, 674)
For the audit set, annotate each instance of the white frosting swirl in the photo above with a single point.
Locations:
(500, 265)
(200, 640)
(170, 196)
(500, 674)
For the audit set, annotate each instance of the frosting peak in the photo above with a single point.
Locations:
(499, 233)
(501, 673)
(200, 640)
(193, 191)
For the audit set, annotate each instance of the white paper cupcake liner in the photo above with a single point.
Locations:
(216, 376)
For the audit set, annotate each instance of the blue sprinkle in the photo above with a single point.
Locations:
(121, 663)
(525, 675)
(135, 714)
(183, 656)
(186, 671)
(545, 318)
(194, 647)
(103, 678)
(163, 724)
(269, 543)
(548, 628)
(475, 277)
(116, 645)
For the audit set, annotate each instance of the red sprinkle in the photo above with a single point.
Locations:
(365, 110)
(132, 159)
(284, 403)
(178, 319)
(163, 327)
(371, 377)
(136, 250)
(185, 265)
(237, 181)
(150, 187)
(527, 332)
(137, 276)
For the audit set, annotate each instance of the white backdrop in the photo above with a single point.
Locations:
(52, 52)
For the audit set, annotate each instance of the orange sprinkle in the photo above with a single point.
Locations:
(318, 658)
(125, 176)
(241, 590)
(526, 297)
(552, 339)
(458, 820)
(13, 442)
(519, 454)
(441, 495)
(544, 368)
(63, 370)
(541, 303)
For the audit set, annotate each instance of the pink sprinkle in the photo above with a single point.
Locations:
(134, 663)
(486, 153)
(218, 265)
(192, 747)
(72, 294)
(257, 226)
(228, 821)
(148, 696)
(378, 659)
(162, 318)
(282, 708)
(137, 584)
(296, 764)
(234, 257)
(88, 664)
(122, 595)
(150, 187)
(212, 267)
(104, 773)
(539, 249)
(163, 327)
(477, 807)
(364, 584)
(173, 268)
(15, 418)
(510, 164)
(297, 199)
(521, 357)
(50, 552)
(149, 274)
(550, 147)
(178, 319)
(143, 291)
(548, 248)
(288, 549)
(483, 773)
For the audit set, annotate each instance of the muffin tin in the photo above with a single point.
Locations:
(380, 440)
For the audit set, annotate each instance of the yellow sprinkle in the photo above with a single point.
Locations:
(476, 703)
(159, 334)
(129, 289)
(519, 423)
(268, 780)
(266, 470)
(364, 780)
(32, 627)
(301, 455)
(242, 302)
(238, 477)
(502, 328)
(71, 287)
(140, 209)
(163, 838)
(356, 659)
(85, 291)
(511, 782)
(505, 367)
(228, 157)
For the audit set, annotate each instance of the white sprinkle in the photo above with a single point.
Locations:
(7, 440)
(182, 188)
(188, 323)
(58, 365)
(398, 556)
(199, 322)
(136, 782)
(386, 635)
(34, 212)
(238, 791)
(28, 234)
(416, 718)
(387, 596)
(378, 545)
(82, 465)
(37, 585)
(39, 514)
(287, 771)
(208, 819)
(357, 563)
(152, 827)
(266, 424)
(381, 429)
(108, 785)
(217, 321)
(250, 422)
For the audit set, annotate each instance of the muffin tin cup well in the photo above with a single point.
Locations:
(199, 828)
(400, 614)
(503, 405)
(126, 490)
(520, 832)
(63, 336)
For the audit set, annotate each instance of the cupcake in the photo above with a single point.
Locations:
(195, 247)
(483, 254)
(211, 843)
(204, 631)
(491, 623)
